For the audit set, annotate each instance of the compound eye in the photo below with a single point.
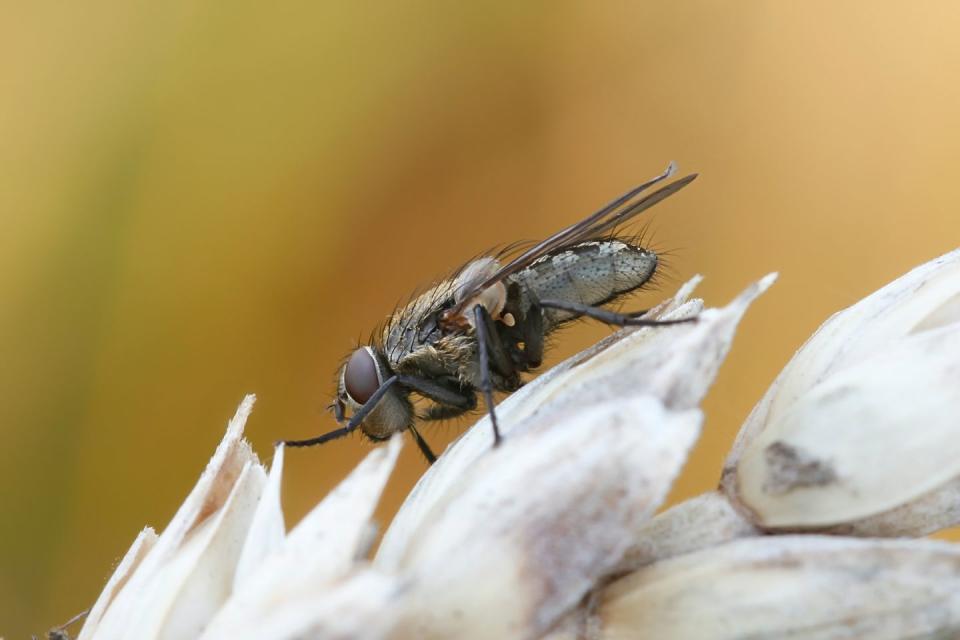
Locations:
(360, 377)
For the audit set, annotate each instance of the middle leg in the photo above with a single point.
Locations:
(480, 316)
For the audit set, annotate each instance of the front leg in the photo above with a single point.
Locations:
(445, 412)
(443, 394)
(352, 424)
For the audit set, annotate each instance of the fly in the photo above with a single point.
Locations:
(477, 331)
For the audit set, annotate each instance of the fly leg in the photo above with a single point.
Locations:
(422, 445)
(450, 399)
(449, 403)
(480, 316)
(533, 334)
(439, 392)
(445, 412)
(354, 422)
(609, 317)
(500, 359)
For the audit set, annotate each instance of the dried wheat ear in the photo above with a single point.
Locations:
(853, 451)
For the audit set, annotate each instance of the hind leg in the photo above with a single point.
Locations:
(610, 317)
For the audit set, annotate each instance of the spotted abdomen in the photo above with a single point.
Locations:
(591, 273)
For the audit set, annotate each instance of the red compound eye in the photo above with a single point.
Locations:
(360, 376)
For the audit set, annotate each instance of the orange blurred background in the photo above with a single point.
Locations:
(202, 199)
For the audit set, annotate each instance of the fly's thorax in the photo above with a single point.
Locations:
(591, 273)
(458, 355)
(359, 379)
(424, 322)
(416, 324)
(450, 356)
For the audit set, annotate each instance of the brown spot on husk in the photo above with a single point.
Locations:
(790, 468)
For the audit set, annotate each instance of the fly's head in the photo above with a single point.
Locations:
(360, 378)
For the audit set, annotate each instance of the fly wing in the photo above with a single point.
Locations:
(602, 221)
(606, 226)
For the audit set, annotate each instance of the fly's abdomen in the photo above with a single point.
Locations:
(591, 273)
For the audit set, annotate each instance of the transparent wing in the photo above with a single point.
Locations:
(595, 225)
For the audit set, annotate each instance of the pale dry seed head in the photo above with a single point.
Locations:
(926, 297)
(317, 557)
(704, 521)
(188, 571)
(494, 543)
(812, 587)
(535, 525)
(858, 434)
(551, 536)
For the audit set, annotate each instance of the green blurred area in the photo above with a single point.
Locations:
(203, 199)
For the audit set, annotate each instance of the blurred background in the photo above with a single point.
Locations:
(201, 199)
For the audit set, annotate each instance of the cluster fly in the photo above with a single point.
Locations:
(483, 327)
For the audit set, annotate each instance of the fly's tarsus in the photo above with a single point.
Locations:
(423, 446)
(311, 442)
(355, 419)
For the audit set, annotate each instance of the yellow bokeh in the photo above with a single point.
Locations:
(202, 199)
